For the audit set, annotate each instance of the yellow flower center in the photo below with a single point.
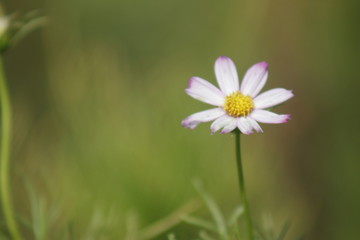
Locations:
(238, 105)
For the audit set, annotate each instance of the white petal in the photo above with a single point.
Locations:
(254, 79)
(272, 98)
(254, 125)
(204, 91)
(244, 125)
(230, 126)
(221, 122)
(205, 116)
(269, 117)
(226, 75)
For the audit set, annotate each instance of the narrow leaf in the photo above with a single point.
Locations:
(214, 210)
(235, 215)
(200, 223)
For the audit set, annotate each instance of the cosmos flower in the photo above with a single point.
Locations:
(237, 106)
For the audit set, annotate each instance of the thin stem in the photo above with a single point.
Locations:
(242, 187)
(5, 156)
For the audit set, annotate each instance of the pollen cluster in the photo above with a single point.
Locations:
(238, 105)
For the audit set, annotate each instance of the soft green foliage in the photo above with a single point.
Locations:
(98, 97)
(229, 229)
(221, 229)
(219, 226)
(44, 222)
(43, 217)
(18, 27)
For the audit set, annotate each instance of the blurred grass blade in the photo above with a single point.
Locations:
(27, 28)
(284, 230)
(200, 223)
(168, 222)
(260, 233)
(214, 209)
(42, 217)
(235, 215)
(171, 236)
(301, 237)
(100, 224)
(37, 212)
(205, 236)
(269, 226)
(24, 222)
(132, 226)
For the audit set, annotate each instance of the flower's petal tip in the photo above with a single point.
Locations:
(287, 117)
(195, 119)
(265, 116)
(184, 123)
(259, 130)
(222, 58)
(187, 124)
(262, 64)
(213, 130)
(228, 129)
(247, 133)
(292, 93)
(191, 81)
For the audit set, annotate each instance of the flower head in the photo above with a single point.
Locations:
(237, 106)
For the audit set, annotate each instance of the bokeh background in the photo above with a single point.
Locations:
(98, 96)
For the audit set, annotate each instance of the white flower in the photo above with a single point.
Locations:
(236, 106)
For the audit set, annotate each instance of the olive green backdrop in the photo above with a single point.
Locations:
(98, 96)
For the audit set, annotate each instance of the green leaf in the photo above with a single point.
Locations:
(300, 237)
(200, 223)
(205, 236)
(214, 210)
(171, 236)
(284, 230)
(27, 28)
(235, 215)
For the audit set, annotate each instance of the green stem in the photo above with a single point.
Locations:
(5, 157)
(242, 187)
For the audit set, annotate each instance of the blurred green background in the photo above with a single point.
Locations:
(98, 96)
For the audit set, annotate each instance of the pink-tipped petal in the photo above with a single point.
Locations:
(272, 98)
(264, 116)
(229, 127)
(244, 125)
(254, 79)
(204, 91)
(254, 125)
(220, 123)
(226, 75)
(205, 116)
